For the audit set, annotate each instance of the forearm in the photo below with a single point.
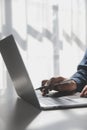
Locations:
(80, 77)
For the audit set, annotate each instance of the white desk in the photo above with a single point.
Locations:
(16, 114)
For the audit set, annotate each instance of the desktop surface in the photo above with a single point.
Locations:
(16, 114)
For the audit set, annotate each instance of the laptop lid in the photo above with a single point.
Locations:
(17, 70)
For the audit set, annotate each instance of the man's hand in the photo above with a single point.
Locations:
(58, 84)
(84, 92)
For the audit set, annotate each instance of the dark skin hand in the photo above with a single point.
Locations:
(58, 84)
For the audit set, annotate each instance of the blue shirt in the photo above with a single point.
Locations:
(81, 75)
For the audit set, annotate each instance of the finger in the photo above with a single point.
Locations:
(44, 92)
(51, 83)
(48, 85)
(45, 87)
(83, 91)
(85, 94)
(43, 82)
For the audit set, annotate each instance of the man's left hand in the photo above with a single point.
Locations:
(84, 92)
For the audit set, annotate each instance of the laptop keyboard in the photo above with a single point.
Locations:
(61, 102)
(50, 101)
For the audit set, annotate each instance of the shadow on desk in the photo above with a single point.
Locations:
(22, 115)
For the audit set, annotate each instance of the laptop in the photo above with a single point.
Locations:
(23, 84)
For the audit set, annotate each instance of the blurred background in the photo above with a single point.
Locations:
(50, 34)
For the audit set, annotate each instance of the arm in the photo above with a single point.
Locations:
(76, 82)
(80, 77)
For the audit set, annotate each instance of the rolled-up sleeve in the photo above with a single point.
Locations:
(80, 77)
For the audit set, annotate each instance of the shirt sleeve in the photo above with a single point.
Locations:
(80, 77)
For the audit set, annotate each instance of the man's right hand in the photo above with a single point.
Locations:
(58, 84)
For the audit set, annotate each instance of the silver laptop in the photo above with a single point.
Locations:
(23, 84)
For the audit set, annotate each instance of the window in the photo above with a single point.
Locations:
(47, 33)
